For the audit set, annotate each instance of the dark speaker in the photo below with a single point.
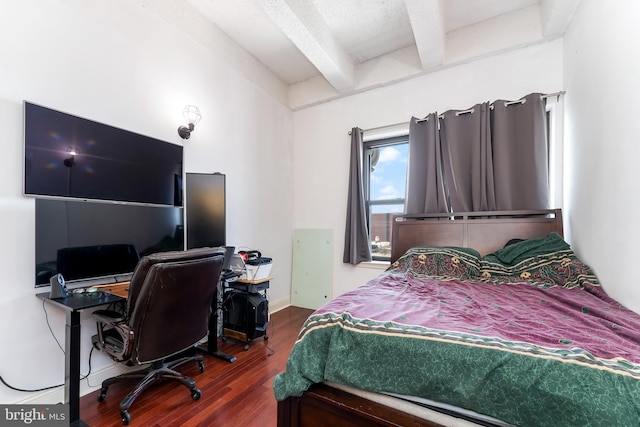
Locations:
(246, 313)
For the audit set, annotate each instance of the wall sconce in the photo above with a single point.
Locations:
(192, 116)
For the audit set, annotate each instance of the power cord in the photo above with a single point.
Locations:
(272, 333)
(25, 390)
(46, 316)
(49, 387)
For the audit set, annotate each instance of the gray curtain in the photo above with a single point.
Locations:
(357, 247)
(426, 193)
(521, 160)
(467, 159)
(492, 159)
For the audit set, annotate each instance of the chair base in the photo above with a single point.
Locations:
(153, 374)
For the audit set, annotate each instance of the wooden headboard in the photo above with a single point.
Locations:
(485, 232)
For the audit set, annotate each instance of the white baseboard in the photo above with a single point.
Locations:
(279, 304)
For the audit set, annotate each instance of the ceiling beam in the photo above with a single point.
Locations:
(301, 22)
(555, 16)
(427, 23)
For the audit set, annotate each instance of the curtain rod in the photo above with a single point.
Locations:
(507, 103)
(382, 127)
(519, 101)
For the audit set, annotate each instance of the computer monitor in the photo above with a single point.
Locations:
(228, 254)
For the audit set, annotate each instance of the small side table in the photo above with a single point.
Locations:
(246, 310)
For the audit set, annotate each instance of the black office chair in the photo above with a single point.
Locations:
(168, 309)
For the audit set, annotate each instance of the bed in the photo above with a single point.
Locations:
(482, 319)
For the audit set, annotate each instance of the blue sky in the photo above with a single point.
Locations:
(388, 180)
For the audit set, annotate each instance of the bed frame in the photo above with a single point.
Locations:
(323, 405)
(484, 231)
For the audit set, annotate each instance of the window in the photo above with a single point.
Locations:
(385, 178)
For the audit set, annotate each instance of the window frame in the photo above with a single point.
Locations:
(366, 177)
(554, 109)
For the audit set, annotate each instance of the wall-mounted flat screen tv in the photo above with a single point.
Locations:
(68, 156)
(94, 242)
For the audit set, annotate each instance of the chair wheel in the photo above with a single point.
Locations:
(223, 339)
(126, 417)
(196, 394)
(102, 395)
(201, 366)
(246, 347)
(266, 337)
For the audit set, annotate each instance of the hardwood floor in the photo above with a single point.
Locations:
(233, 394)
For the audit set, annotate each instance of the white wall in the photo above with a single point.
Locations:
(119, 63)
(321, 142)
(602, 79)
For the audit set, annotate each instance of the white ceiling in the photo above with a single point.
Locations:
(343, 46)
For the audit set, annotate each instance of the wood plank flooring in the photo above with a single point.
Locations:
(233, 394)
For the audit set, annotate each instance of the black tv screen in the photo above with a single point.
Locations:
(68, 156)
(100, 242)
(205, 210)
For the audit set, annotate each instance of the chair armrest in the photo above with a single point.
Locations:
(114, 336)
(109, 317)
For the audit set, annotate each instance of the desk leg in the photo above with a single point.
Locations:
(72, 368)
(212, 340)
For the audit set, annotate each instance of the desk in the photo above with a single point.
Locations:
(76, 303)
(121, 289)
(73, 305)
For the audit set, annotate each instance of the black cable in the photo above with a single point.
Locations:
(88, 373)
(273, 328)
(63, 352)
(49, 387)
(46, 318)
(26, 390)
